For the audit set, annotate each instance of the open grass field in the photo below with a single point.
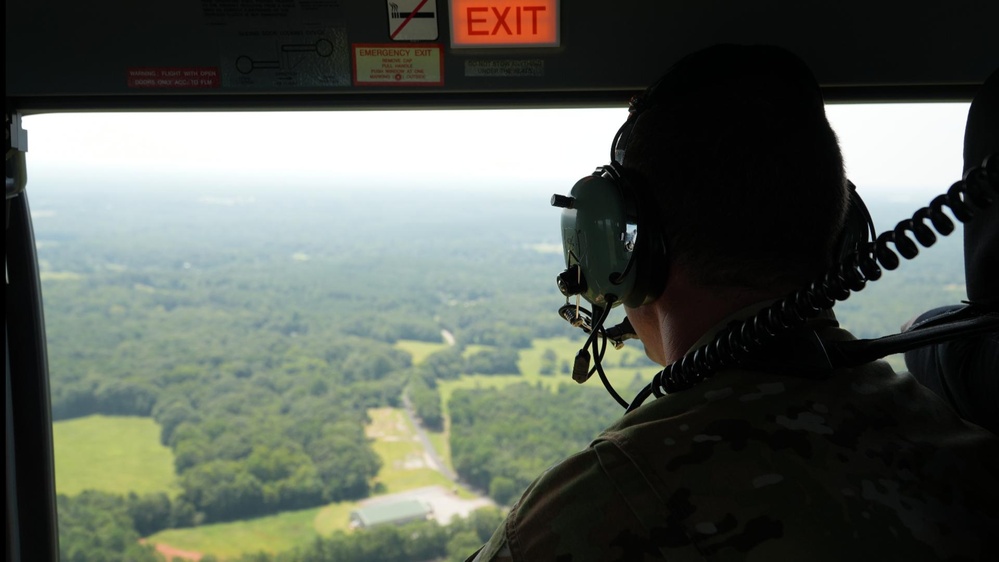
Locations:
(118, 454)
(474, 348)
(419, 350)
(273, 533)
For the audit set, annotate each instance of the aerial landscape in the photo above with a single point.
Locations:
(249, 377)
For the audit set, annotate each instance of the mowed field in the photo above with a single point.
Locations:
(272, 533)
(118, 454)
(419, 350)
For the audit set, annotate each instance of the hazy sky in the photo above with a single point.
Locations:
(907, 152)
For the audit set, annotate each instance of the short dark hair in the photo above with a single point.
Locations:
(734, 146)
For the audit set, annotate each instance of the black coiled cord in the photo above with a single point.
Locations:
(593, 324)
(978, 190)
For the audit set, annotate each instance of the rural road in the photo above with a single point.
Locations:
(427, 445)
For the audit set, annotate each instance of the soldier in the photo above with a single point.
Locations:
(964, 370)
(732, 151)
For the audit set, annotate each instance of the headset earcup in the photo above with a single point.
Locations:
(651, 256)
(651, 271)
(598, 221)
(594, 237)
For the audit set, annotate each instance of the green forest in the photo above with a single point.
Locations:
(257, 328)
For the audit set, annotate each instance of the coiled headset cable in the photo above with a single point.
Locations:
(737, 342)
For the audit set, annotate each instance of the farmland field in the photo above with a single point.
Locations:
(117, 454)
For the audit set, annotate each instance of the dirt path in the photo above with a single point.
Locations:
(170, 552)
(431, 452)
(448, 337)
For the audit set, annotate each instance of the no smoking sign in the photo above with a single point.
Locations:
(412, 20)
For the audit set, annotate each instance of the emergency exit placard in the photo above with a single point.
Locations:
(396, 64)
(504, 23)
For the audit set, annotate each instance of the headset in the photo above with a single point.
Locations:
(606, 262)
(605, 258)
(615, 252)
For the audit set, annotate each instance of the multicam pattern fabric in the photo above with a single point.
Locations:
(865, 465)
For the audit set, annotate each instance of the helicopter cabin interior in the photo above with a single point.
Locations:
(120, 56)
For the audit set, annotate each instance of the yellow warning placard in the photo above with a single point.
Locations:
(398, 65)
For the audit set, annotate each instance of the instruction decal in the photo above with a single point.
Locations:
(291, 57)
(174, 77)
(267, 45)
(412, 20)
(504, 68)
(397, 64)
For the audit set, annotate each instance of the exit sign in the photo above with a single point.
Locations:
(504, 23)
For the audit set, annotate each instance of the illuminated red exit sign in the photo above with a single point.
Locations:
(504, 23)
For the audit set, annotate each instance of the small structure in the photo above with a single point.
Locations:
(394, 513)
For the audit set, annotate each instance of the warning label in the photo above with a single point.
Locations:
(394, 65)
(505, 68)
(174, 77)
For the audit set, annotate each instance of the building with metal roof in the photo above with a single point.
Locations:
(395, 513)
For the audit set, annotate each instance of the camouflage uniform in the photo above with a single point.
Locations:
(867, 464)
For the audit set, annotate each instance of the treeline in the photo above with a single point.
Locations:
(502, 439)
(288, 437)
(425, 398)
(277, 427)
(449, 364)
(99, 526)
(106, 527)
